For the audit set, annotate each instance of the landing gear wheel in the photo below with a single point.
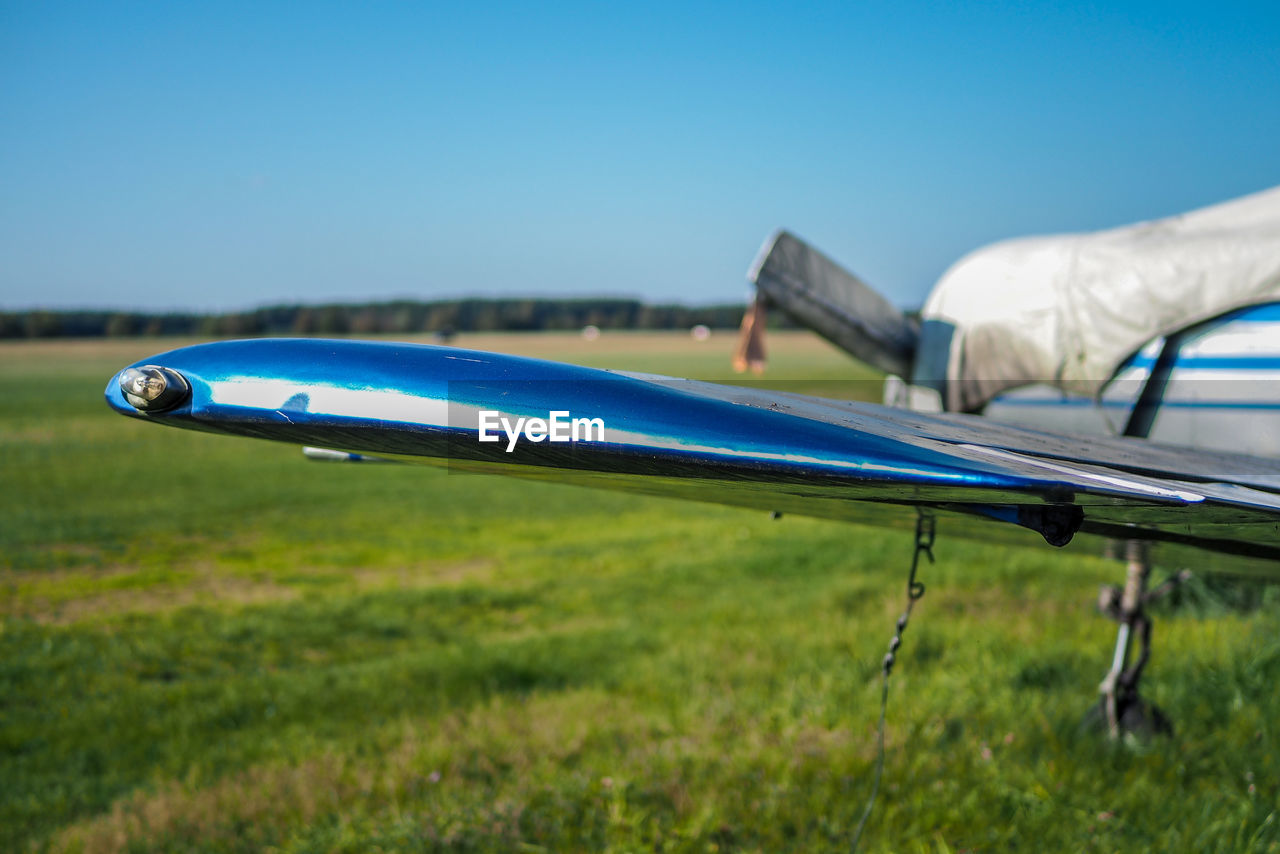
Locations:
(1135, 716)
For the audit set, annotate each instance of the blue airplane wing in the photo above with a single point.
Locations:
(485, 412)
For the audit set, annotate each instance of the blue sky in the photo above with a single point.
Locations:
(228, 155)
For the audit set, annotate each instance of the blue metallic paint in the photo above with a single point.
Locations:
(668, 437)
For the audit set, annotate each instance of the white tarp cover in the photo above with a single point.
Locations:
(1070, 309)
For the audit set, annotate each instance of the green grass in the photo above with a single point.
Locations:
(210, 644)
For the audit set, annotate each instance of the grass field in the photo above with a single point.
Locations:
(211, 644)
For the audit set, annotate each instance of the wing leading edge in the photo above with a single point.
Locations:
(725, 444)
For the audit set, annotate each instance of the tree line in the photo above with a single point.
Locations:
(399, 317)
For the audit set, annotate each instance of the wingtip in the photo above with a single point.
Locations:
(766, 249)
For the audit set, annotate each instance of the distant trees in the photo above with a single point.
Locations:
(400, 317)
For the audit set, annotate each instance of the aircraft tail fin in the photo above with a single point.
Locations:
(819, 294)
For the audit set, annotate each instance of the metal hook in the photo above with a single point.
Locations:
(926, 530)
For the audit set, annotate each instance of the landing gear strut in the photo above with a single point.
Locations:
(1121, 709)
